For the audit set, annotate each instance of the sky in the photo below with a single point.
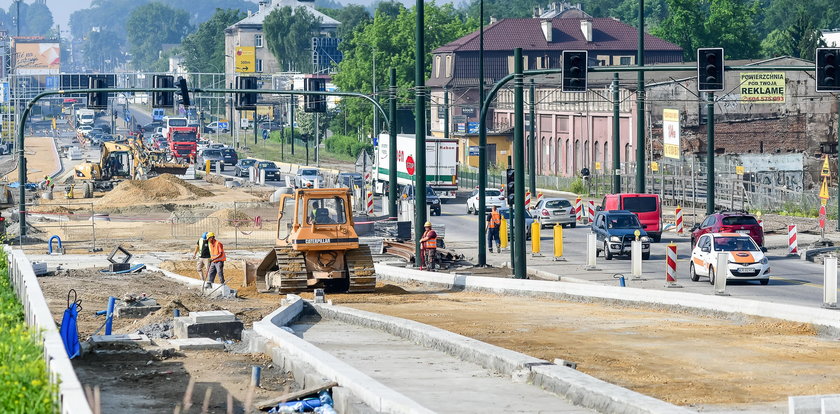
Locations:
(61, 9)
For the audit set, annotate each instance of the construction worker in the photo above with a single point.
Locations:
(217, 260)
(47, 184)
(494, 222)
(202, 250)
(428, 246)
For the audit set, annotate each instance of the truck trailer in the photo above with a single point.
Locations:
(441, 164)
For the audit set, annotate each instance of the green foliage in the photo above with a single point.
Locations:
(204, 49)
(151, 26)
(100, 46)
(577, 186)
(726, 23)
(346, 145)
(390, 41)
(351, 16)
(24, 384)
(288, 34)
(36, 19)
(800, 39)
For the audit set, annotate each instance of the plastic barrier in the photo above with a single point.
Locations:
(679, 220)
(369, 203)
(721, 272)
(527, 200)
(558, 243)
(591, 252)
(636, 259)
(578, 210)
(539, 197)
(671, 266)
(535, 238)
(793, 248)
(830, 282)
(503, 234)
(590, 210)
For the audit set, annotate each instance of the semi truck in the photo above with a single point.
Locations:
(183, 143)
(441, 164)
(85, 117)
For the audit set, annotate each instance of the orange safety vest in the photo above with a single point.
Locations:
(495, 219)
(217, 252)
(430, 243)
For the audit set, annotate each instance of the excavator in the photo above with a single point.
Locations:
(319, 248)
(123, 161)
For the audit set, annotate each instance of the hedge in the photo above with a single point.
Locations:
(346, 145)
(24, 384)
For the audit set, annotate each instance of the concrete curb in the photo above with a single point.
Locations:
(543, 275)
(795, 313)
(577, 387)
(303, 358)
(59, 164)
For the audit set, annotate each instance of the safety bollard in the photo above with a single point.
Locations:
(256, 372)
(527, 200)
(793, 247)
(578, 210)
(558, 243)
(590, 210)
(207, 167)
(830, 282)
(369, 203)
(671, 266)
(535, 239)
(679, 220)
(539, 197)
(721, 272)
(636, 259)
(503, 234)
(591, 252)
(622, 282)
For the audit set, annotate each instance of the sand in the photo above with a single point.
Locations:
(165, 187)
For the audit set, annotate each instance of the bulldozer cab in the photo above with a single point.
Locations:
(117, 164)
(322, 220)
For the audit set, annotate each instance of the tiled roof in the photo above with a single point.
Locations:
(507, 34)
(258, 17)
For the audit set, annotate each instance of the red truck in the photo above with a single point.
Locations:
(183, 143)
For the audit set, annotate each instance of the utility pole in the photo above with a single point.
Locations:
(519, 166)
(616, 141)
(392, 145)
(710, 152)
(482, 147)
(640, 105)
(419, 126)
(532, 151)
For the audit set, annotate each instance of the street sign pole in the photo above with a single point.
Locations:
(710, 152)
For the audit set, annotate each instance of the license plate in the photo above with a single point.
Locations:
(744, 232)
(557, 213)
(746, 270)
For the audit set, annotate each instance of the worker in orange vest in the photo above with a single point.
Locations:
(494, 222)
(428, 247)
(217, 260)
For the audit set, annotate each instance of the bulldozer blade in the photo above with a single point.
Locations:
(176, 169)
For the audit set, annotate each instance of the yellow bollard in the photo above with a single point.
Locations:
(535, 238)
(207, 167)
(558, 243)
(503, 234)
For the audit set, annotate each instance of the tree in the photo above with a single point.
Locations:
(727, 23)
(800, 39)
(392, 41)
(151, 26)
(36, 19)
(204, 49)
(288, 34)
(102, 46)
(350, 16)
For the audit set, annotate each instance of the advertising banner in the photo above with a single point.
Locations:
(763, 87)
(245, 60)
(37, 58)
(671, 133)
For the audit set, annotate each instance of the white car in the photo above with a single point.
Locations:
(309, 177)
(745, 260)
(84, 129)
(492, 197)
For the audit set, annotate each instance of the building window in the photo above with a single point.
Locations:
(258, 40)
(258, 64)
(625, 60)
(437, 66)
(449, 66)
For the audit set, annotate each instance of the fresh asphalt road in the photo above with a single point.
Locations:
(792, 281)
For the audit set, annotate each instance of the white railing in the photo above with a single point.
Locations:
(71, 395)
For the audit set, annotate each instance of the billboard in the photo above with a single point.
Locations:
(763, 87)
(245, 59)
(671, 133)
(37, 57)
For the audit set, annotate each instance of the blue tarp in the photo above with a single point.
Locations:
(69, 330)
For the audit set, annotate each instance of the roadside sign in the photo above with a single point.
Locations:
(223, 124)
(826, 171)
(671, 133)
(739, 169)
(265, 134)
(654, 166)
(597, 165)
(473, 150)
(409, 165)
(824, 191)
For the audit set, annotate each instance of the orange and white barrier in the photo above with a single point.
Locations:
(671, 266)
(590, 210)
(539, 197)
(793, 247)
(369, 203)
(679, 220)
(578, 210)
(527, 200)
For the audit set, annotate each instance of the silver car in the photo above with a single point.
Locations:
(309, 177)
(492, 197)
(551, 211)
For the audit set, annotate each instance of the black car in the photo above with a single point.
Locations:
(214, 156)
(350, 180)
(241, 168)
(230, 156)
(432, 199)
(615, 230)
(272, 173)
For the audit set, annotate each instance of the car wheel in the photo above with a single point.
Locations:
(711, 275)
(646, 256)
(469, 209)
(764, 281)
(607, 254)
(573, 225)
(693, 272)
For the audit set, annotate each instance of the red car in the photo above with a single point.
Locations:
(729, 222)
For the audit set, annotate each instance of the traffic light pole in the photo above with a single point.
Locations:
(519, 166)
(710, 152)
(392, 146)
(838, 162)
(616, 138)
(532, 151)
(482, 146)
(640, 104)
(419, 128)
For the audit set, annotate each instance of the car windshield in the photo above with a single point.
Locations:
(177, 122)
(247, 162)
(492, 193)
(183, 136)
(623, 221)
(739, 221)
(213, 154)
(267, 164)
(735, 244)
(326, 211)
(430, 192)
(558, 203)
(308, 172)
(640, 204)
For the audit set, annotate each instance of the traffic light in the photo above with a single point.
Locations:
(163, 99)
(828, 76)
(509, 188)
(184, 92)
(315, 103)
(575, 63)
(710, 69)
(97, 100)
(246, 101)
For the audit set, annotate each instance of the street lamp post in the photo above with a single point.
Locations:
(482, 147)
(419, 126)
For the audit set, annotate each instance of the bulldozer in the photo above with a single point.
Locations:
(319, 248)
(123, 161)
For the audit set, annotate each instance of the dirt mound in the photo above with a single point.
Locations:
(230, 218)
(50, 209)
(165, 187)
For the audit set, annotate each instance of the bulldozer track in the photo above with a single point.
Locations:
(360, 269)
(292, 270)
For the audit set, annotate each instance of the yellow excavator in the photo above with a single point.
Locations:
(123, 161)
(319, 248)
